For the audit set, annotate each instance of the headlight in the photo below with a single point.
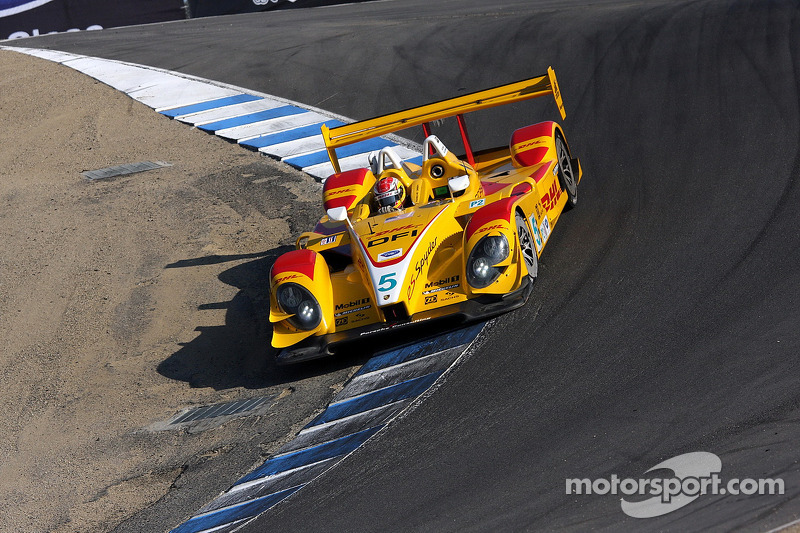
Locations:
(489, 251)
(296, 300)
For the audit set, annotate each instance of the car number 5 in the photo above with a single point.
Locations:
(387, 282)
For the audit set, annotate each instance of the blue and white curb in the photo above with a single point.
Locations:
(385, 387)
(286, 130)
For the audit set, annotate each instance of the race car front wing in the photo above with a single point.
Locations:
(479, 308)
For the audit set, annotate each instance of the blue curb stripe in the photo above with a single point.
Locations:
(421, 349)
(407, 389)
(290, 135)
(268, 114)
(274, 485)
(212, 104)
(341, 446)
(233, 514)
(415, 160)
(317, 158)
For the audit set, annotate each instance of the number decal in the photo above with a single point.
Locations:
(389, 281)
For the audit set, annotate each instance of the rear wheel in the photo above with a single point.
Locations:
(527, 248)
(566, 176)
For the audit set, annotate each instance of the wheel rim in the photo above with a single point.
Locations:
(565, 165)
(527, 249)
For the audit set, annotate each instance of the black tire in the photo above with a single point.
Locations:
(566, 176)
(527, 247)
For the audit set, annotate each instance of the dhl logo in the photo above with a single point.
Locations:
(529, 144)
(551, 197)
(287, 278)
(338, 192)
(490, 228)
(401, 228)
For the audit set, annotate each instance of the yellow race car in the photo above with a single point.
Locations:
(404, 243)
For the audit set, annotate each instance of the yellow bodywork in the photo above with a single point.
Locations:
(410, 264)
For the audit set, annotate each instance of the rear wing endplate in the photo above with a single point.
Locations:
(385, 124)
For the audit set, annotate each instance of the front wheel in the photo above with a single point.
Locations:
(527, 248)
(566, 176)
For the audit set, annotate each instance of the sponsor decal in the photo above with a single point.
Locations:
(445, 288)
(336, 192)
(350, 305)
(541, 232)
(328, 240)
(556, 90)
(393, 326)
(341, 321)
(424, 260)
(544, 228)
(399, 228)
(358, 317)
(442, 285)
(287, 278)
(430, 299)
(477, 203)
(537, 235)
(551, 197)
(392, 235)
(529, 144)
(539, 211)
(441, 282)
(350, 311)
(385, 256)
(490, 228)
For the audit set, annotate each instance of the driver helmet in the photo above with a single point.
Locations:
(389, 193)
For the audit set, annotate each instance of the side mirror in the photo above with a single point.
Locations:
(337, 214)
(458, 184)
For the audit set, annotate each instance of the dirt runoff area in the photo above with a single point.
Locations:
(125, 301)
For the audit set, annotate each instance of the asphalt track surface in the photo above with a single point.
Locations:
(665, 319)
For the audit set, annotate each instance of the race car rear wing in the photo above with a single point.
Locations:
(382, 125)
